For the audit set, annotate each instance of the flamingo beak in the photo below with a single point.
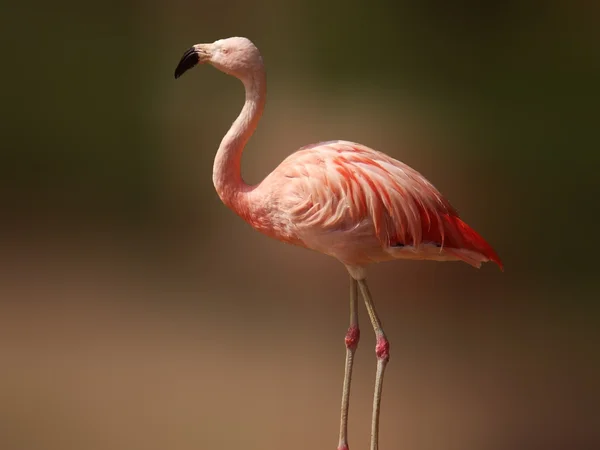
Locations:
(198, 54)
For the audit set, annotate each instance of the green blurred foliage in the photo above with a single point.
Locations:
(83, 86)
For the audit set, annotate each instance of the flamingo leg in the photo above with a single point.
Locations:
(351, 340)
(382, 350)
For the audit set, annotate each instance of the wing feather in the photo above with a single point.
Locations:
(341, 184)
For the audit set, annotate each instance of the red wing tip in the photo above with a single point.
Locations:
(471, 240)
(498, 263)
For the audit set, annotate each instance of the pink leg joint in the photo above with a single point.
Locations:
(382, 349)
(352, 337)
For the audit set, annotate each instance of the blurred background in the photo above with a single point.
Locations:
(137, 312)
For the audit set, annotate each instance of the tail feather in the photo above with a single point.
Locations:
(462, 237)
(462, 241)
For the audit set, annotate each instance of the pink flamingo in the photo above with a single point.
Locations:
(338, 198)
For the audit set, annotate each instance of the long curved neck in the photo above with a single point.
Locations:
(227, 176)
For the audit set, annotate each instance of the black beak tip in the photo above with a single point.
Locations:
(189, 59)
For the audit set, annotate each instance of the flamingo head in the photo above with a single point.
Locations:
(236, 56)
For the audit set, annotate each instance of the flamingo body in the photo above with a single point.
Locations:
(360, 206)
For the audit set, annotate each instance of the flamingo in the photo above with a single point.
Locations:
(339, 198)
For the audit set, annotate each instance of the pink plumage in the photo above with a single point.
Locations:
(338, 198)
(360, 206)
